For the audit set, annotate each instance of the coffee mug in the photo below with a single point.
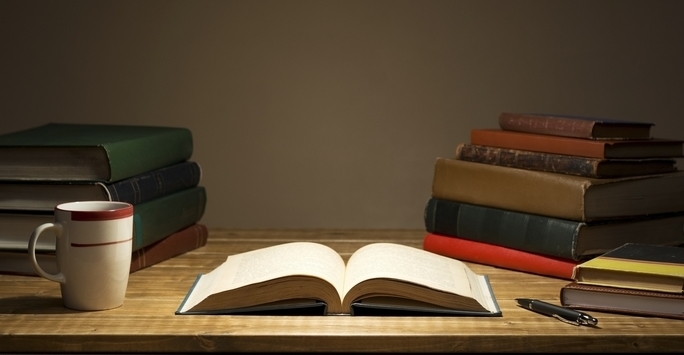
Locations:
(94, 248)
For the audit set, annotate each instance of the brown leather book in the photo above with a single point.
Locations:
(557, 195)
(564, 164)
(604, 149)
(180, 242)
(575, 126)
(622, 300)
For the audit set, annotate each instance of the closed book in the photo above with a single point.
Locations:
(549, 236)
(185, 240)
(45, 195)
(638, 266)
(622, 300)
(557, 195)
(605, 149)
(152, 221)
(564, 164)
(575, 126)
(90, 152)
(498, 256)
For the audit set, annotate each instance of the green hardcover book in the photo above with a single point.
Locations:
(90, 152)
(152, 221)
(636, 266)
(548, 236)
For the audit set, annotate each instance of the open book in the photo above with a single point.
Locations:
(379, 278)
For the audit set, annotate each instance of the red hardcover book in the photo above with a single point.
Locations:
(603, 149)
(494, 255)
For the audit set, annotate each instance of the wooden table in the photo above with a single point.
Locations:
(32, 318)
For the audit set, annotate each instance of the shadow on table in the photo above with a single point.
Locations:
(33, 305)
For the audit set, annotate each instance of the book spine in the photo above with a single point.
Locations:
(538, 143)
(620, 300)
(163, 216)
(551, 125)
(163, 149)
(148, 186)
(522, 159)
(532, 233)
(180, 242)
(528, 191)
(494, 255)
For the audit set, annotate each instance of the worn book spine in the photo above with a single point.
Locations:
(495, 255)
(560, 126)
(563, 164)
(538, 143)
(521, 190)
(180, 242)
(578, 127)
(156, 219)
(556, 163)
(561, 196)
(603, 149)
(148, 186)
(523, 231)
(622, 300)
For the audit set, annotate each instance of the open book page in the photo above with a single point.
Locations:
(297, 258)
(394, 261)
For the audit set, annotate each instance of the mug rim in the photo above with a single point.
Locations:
(96, 210)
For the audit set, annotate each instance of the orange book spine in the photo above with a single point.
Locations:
(538, 143)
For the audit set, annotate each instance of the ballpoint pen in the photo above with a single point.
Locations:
(561, 313)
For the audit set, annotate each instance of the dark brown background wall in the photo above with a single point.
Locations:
(313, 114)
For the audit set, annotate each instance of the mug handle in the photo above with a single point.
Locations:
(59, 277)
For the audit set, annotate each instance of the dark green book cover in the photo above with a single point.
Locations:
(152, 221)
(163, 216)
(548, 236)
(91, 152)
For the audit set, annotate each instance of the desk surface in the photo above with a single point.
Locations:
(32, 318)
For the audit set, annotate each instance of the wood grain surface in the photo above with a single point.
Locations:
(32, 318)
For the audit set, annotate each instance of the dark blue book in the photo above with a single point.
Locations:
(45, 195)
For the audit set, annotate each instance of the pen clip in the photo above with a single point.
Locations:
(565, 320)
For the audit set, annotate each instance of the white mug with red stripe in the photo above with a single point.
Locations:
(94, 248)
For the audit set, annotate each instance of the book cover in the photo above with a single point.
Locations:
(622, 300)
(603, 149)
(45, 195)
(544, 235)
(17, 262)
(638, 266)
(575, 126)
(152, 221)
(90, 152)
(499, 256)
(557, 195)
(564, 164)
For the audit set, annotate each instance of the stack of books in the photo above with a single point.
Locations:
(147, 166)
(634, 279)
(543, 193)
